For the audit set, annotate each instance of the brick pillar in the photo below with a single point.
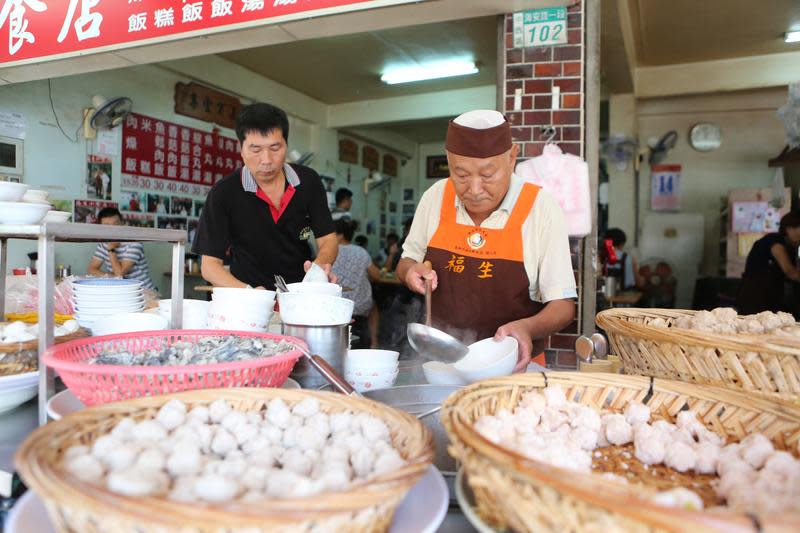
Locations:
(536, 70)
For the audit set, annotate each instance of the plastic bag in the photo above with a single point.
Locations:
(789, 113)
(22, 295)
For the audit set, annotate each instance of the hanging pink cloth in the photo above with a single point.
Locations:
(566, 177)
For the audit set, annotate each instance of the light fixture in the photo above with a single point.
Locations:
(428, 71)
(792, 36)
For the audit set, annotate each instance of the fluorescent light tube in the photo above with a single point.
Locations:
(792, 36)
(429, 71)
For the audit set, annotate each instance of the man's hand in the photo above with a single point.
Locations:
(520, 330)
(326, 267)
(416, 276)
(394, 248)
(112, 245)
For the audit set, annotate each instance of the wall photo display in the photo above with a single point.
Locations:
(158, 203)
(132, 201)
(436, 166)
(98, 177)
(85, 211)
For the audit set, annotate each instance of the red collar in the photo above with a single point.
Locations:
(276, 212)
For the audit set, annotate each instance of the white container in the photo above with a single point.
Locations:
(243, 317)
(488, 359)
(57, 217)
(195, 312)
(367, 358)
(22, 213)
(127, 323)
(371, 379)
(314, 287)
(17, 389)
(12, 192)
(36, 196)
(314, 309)
(236, 295)
(438, 373)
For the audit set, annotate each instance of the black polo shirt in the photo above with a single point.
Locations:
(238, 222)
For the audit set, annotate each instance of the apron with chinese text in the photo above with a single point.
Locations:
(482, 279)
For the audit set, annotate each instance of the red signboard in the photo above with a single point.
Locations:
(159, 149)
(35, 29)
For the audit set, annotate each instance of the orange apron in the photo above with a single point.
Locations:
(482, 279)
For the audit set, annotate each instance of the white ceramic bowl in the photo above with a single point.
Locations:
(101, 310)
(35, 196)
(371, 358)
(57, 217)
(17, 389)
(488, 359)
(195, 312)
(315, 287)
(314, 309)
(244, 317)
(12, 192)
(371, 379)
(438, 373)
(22, 213)
(235, 295)
(128, 322)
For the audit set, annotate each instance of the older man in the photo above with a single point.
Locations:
(263, 215)
(498, 245)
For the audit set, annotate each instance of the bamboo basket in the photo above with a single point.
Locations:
(762, 364)
(77, 506)
(524, 495)
(21, 357)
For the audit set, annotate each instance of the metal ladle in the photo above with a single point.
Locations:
(329, 373)
(431, 342)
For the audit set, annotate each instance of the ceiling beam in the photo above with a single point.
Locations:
(629, 27)
(753, 72)
(416, 107)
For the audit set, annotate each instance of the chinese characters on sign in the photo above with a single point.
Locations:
(540, 27)
(35, 29)
(457, 265)
(197, 101)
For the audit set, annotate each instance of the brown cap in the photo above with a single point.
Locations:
(481, 133)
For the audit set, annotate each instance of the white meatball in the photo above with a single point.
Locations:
(217, 410)
(305, 487)
(533, 400)
(756, 448)
(552, 419)
(215, 488)
(245, 433)
(184, 461)
(280, 481)
(731, 482)
(233, 420)
(255, 477)
(363, 462)
(618, 431)
(320, 422)
(264, 457)
(183, 489)
(637, 413)
(104, 445)
(232, 467)
(341, 421)
(584, 437)
(707, 458)
(171, 415)
(76, 451)
(309, 438)
(205, 434)
(256, 444)
(151, 459)
(85, 467)
(736, 464)
(783, 463)
(254, 417)
(526, 419)
(124, 429)
(681, 457)
(121, 457)
(307, 407)
(586, 417)
(199, 414)
(133, 482)
(649, 447)
(335, 454)
(290, 437)
(664, 426)
(149, 431)
(273, 433)
(297, 462)
(681, 498)
(278, 413)
(334, 479)
(554, 395)
(373, 428)
(490, 427)
(223, 443)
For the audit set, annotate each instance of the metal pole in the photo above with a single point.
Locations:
(46, 273)
(178, 256)
(591, 21)
(3, 268)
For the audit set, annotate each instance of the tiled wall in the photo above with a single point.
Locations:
(536, 70)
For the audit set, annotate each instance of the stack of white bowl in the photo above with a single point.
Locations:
(95, 298)
(310, 303)
(195, 313)
(17, 389)
(485, 359)
(367, 370)
(240, 309)
(21, 205)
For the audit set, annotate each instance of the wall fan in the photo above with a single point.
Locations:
(300, 159)
(658, 151)
(106, 113)
(619, 150)
(374, 181)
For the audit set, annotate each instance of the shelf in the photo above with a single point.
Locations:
(47, 235)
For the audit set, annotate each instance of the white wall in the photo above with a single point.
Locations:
(751, 135)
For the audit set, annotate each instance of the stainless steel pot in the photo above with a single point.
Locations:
(329, 342)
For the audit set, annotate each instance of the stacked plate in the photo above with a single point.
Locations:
(95, 298)
(17, 389)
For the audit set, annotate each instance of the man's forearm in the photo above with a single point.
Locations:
(327, 254)
(218, 276)
(555, 316)
(402, 268)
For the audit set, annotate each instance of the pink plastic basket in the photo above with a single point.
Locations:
(96, 384)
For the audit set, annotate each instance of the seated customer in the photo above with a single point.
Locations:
(122, 260)
(354, 269)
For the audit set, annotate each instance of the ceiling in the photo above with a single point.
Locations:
(347, 68)
(420, 131)
(667, 32)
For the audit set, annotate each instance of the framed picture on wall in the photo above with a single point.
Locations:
(408, 195)
(437, 166)
(393, 207)
(408, 209)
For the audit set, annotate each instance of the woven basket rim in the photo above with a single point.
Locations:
(51, 355)
(591, 487)
(13, 347)
(616, 321)
(59, 485)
